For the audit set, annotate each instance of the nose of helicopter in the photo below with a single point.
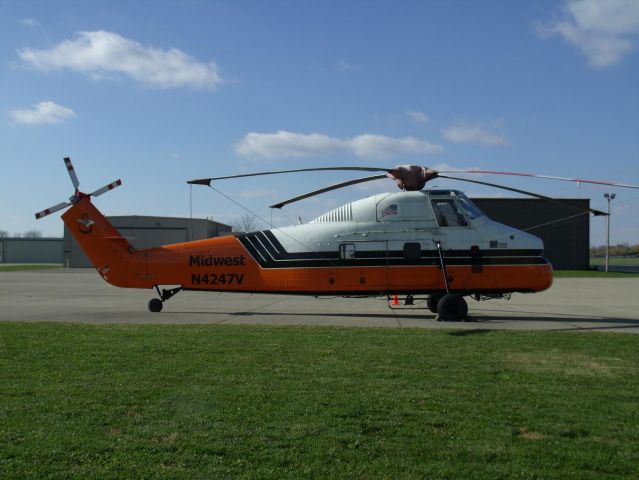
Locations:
(498, 235)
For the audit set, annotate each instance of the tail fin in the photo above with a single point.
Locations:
(110, 253)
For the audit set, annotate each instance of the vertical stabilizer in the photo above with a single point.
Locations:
(110, 253)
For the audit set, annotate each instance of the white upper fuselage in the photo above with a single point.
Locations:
(388, 221)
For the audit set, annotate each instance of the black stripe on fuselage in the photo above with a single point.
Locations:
(268, 252)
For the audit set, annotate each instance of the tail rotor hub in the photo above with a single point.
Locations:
(78, 195)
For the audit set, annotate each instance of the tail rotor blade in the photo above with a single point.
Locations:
(71, 170)
(106, 188)
(51, 210)
(328, 189)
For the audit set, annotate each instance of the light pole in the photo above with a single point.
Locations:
(609, 197)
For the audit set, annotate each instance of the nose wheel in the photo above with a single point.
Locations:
(156, 304)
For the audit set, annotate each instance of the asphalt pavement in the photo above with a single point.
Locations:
(80, 295)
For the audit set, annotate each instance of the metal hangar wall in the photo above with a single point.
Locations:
(30, 250)
(148, 232)
(564, 230)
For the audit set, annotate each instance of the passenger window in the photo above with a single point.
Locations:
(447, 214)
(347, 251)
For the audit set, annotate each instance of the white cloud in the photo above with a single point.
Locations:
(466, 133)
(29, 22)
(43, 112)
(102, 54)
(345, 66)
(380, 146)
(289, 144)
(286, 144)
(419, 117)
(605, 31)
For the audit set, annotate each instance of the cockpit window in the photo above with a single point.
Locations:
(447, 213)
(471, 210)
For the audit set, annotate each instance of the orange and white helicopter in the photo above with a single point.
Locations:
(413, 242)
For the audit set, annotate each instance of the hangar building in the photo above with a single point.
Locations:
(147, 232)
(30, 250)
(564, 230)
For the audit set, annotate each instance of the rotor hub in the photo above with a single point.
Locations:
(411, 178)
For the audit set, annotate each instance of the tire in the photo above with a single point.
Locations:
(155, 305)
(433, 301)
(452, 308)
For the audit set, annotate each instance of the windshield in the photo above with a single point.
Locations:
(471, 210)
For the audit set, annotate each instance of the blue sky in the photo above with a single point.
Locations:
(157, 93)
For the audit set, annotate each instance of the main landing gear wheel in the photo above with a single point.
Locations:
(452, 308)
(155, 305)
(433, 301)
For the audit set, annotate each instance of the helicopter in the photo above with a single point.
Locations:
(433, 242)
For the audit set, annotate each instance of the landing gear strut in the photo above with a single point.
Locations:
(450, 307)
(155, 304)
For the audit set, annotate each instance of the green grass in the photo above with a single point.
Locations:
(623, 261)
(592, 274)
(19, 267)
(134, 401)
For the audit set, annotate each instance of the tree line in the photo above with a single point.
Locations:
(619, 250)
(28, 234)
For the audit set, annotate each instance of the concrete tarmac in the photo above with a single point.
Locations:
(80, 295)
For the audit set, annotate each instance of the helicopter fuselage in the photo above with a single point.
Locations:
(396, 243)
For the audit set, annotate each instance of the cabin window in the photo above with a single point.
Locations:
(447, 213)
(347, 251)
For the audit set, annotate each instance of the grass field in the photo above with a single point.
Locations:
(593, 274)
(623, 261)
(153, 401)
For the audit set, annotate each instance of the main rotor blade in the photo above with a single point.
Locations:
(70, 169)
(51, 210)
(531, 194)
(207, 181)
(535, 175)
(328, 189)
(106, 188)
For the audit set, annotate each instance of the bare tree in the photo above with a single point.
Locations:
(4, 233)
(32, 234)
(246, 223)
